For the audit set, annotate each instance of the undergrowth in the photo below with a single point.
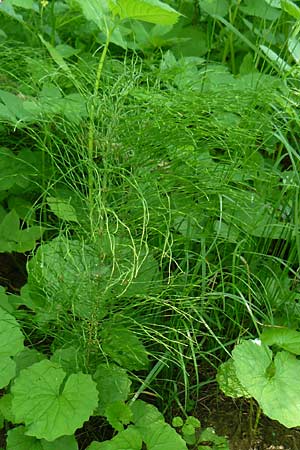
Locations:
(158, 209)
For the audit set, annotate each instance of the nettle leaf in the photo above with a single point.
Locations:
(70, 274)
(155, 432)
(215, 7)
(17, 440)
(273, 383)
(11, 108)
(11, 343)
(7, 8)
(95, 10)
(283, 337)
(26, 358)
(71, 359)
(5, 408)
(19, 170)
(260, 8)
(26, 4)
(124, 347)
(229, 382)
(152, 11)
(14, 239)
(129, 439)
(62, 209)
(113, 385)
(118, 414)
(50, 404)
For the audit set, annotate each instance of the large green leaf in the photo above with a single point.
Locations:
(155, 432)
(95, 10)
(215, 7)
(70, 274)
(129, 439)
(113, 385)
(229, 382)
(19, 170)
(11, 343)
(62, 209)
(11, 108)
(50, 404)
(124, 347)
(283, 337)
(273, 383)
(153, 11)
(17, 440)
(13, 238)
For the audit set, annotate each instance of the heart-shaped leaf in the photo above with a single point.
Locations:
(273, 383)
(50, 404)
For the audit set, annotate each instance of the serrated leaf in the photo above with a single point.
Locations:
(273, 383)
(11, 337)
(26, 4)
(283, 337)
(11, 343)
(12, 107)
(71, 275)
(153, 11)
(229, 382)
(5, 408)
(124, 347)
(260, 8)
(118, 414)
(113, 385)
(215, 7)
(13, 238)
(26, 358)
(47, 412)
(7, 371)
(62, 209)
(71, 359)
(17, 440)
(129, 439)
(155, 432)
(96, 11)
(8, 9)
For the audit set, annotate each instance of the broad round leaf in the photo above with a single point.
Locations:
(17, 440)
(129, 439)
(274, 384)
(229, 382)
(283, 337)
(11, 337)
(7, 371)
(49, 408)
(11, 343)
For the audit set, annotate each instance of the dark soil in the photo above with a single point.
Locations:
(231, 418)
(13, 271)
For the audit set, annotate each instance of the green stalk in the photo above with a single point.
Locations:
(91, 132)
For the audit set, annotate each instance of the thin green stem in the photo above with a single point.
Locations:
(91, 132)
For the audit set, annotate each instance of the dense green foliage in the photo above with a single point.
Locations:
(149, 170)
